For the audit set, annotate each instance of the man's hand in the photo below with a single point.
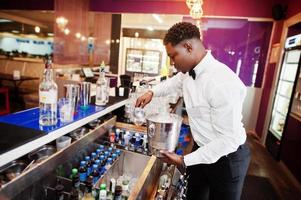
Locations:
(174, 159)
(144, 99)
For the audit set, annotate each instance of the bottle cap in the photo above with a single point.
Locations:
(74, 171)
(87, 158)
(95, 166)
(82, 163)
(103, 186)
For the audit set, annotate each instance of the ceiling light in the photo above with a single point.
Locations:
(77, 35)
(5, 21)
(15, 31)
(66, 31)
(158, 18)
(107, 41)
(136, 34)
(150, 28)
(190, 3)
(37, 29)
(61, 22)
(196, 11)
(83, 38)
(50, 34)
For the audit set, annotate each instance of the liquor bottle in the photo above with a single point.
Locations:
(88, 165)
(103, 192)
(102, 94)
(165, 177)
(48, 97)
(82, 171)
(118, 193)
(76, 193)
(95, 174)
(88, 193)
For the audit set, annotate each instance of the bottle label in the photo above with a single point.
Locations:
(101, 93)
(48, 97)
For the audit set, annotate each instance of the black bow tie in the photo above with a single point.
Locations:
(192, 74)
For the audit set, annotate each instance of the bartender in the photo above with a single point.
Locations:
(213, 96)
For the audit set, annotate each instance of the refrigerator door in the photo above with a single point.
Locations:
(284, 92)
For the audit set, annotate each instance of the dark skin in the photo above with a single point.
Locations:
(185, 56)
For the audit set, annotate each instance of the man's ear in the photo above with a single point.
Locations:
(188, 46)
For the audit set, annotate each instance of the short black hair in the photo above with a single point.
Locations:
(181, 31)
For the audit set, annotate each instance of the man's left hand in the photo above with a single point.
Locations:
(173, 159)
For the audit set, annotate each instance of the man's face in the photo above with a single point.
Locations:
(181, 55)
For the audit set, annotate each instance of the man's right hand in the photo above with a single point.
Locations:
(144, 99)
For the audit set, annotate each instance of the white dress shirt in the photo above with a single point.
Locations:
(214, 105)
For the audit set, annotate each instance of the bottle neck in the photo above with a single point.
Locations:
(102, 73)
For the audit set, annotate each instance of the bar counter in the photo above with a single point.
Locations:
(29, 119)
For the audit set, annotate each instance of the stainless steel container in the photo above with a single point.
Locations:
(41, 153)
(11, 171)
(163, 132)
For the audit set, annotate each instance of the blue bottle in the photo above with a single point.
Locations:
(98, 153)
(118, 152)
(82, 171)
(93, 157)
(95, 174)
(106, 154)
(101, 147)
(88, 165)
(114, 156)
(109, 161)
(110, 150)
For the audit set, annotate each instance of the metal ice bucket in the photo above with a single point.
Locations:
(163, 132)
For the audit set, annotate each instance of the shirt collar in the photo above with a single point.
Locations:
(203, 64)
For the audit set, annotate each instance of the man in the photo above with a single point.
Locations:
(213, 96)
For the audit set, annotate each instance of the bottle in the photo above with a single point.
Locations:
(88, 193)
(117, 136)
(125, 189)
(93, 157)
(88, 165)
(82, 171)
(118, 193)
(76, 193)
(112, 186)
(95, 174)
(48, 97)
(102, 95)
(165, 178)
(102, 192)
(59, 190)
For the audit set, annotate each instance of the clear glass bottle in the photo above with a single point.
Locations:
(102, 90)
(48, 97)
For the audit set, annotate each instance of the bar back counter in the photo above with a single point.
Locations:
(30, 168)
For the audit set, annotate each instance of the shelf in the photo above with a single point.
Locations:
(283, 96)
(288, 81)
(280, 113)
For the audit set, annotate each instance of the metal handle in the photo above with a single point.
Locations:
(151, 130)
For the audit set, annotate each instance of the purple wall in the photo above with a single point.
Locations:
(248, 46)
